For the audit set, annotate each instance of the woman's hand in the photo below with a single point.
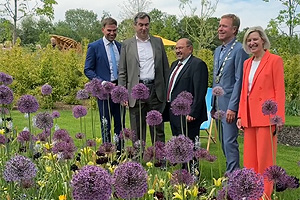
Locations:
(239, 124)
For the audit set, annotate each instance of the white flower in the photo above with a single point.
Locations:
(25, 129)
(26, 115)
(56, 127)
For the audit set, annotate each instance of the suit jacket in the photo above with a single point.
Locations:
(268, 84)
(96, 63)
(193, 78)
(231, 80)
(129, 67)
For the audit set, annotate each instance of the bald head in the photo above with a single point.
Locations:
(183, 49)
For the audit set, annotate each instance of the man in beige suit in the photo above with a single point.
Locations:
(143, 60)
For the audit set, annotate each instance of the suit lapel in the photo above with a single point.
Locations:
(133, 47)
(261, 65)
(185, 67)
(103, 51)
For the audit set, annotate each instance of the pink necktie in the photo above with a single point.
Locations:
(171, 80)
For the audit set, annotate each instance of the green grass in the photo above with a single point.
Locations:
(287, 156)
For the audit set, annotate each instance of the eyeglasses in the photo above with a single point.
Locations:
(180, 48)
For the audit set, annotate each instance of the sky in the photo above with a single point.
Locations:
(251, 12)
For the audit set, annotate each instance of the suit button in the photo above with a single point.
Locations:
(259, 99)
(260, 88)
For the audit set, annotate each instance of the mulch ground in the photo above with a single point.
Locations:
(289, 136)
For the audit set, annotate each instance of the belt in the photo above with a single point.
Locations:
(147, 81)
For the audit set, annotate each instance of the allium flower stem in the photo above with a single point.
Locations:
(272, 145)
(109, 114)
(140, 115)
(219, 145)
(92, 116)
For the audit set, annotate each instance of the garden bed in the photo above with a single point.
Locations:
(289, 136)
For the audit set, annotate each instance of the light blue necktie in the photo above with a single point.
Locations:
(113, 60)
(223, 49)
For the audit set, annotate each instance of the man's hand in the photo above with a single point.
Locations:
(212, 113)
(190, 118)
(230, 116)
(125, 103)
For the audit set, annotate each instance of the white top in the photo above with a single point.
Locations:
(117, 56)
(146, 59)
(253, 69)
(176, 75)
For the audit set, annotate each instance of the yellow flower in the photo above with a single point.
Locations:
(177, 196)
(194, 191)
(90, 163)
(98, 140)
(2, 131)
(218, 182)
(50, 156)
(38, 142)
(151, 191)
(161, 183)
(47, 146)
(41, 183)
(169, 175)
(112, 169)
(149, 164)
(62, 197)
(48, 169)
(86, 150)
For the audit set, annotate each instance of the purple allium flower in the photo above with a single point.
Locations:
(82, 94)
(108, 87)
(182, 176)
(154, 118)
(24, 136)
(137, 144)
(61, 135)
(187, 96)
(5, 79)
(96, 88)
(223, 194)
(19, 168)
(269, 107)
(44, 121)
(130, 180)
(140, 92)
(28, 104)
(274, 173)
(276, 120)
(211, 158)
(119, 94)
(107, 148)
(55, 114)
(64, 149)
(131, 152)
(160, 152)
(4, 111)
(285, 182)
(90, 183)
(149, 154)
(201, 154)
(79, 111)
(46, 89)
(6, 95)
(2, 139)
(128, 133)
(245, 184)
(179, 149)
(90, 143)
(218, 91)
(79, 136)
(219, 114)
(43, 135)
(180, 106)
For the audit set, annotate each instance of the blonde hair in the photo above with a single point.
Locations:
(262, 34)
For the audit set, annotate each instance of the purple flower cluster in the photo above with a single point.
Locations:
(119, 94)
(179, 149)
(269, 107)
(203, 154)
(2, 139)
(82, 94)
(55, 114)
(5, 79)
(160, 152)
(43, 135)
(286, 182)
(6, 95)
(277, 120)
(245, 184)
(79, 111)
(19, 168)
(149, 154)
(128, 134)
(64, 145)
(187, 96)
(24, 136)
(107, 148)
(218, 91)
(96, 89)
(182, 176)
(130, 180)
(108, 87)
(140, 92)
(219, 114)
(27, 104)
(61, 135)
(90, 183)
(181, 106)
(44, 121)
(80, 136)
(154, 118)
(274, 173)
(223, 194)
(46, 89)
(90, 143)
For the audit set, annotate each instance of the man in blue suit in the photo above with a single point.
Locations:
(228, 74)
(102, 61)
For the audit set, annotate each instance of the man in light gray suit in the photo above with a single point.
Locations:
(228, 73)
(143, 60)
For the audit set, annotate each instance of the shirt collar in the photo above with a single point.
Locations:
(106, 41)
(185, 60)
(138, 39)
(229, 43)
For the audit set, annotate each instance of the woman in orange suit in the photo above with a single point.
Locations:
(263, 79)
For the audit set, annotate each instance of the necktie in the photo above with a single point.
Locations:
(172, 80)
(113, 60)
(223, 49)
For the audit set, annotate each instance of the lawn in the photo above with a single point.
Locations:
(287, 156)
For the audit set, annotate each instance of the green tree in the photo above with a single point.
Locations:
(130, 8)
(5, 30)
(21, 8)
